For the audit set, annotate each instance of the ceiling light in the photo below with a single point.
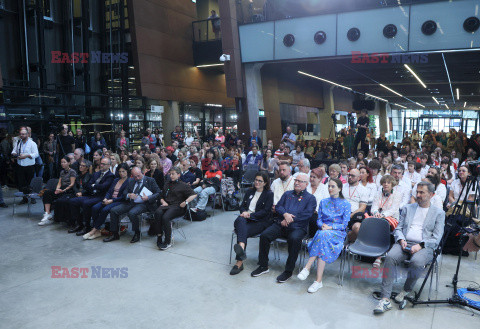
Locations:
(446, 105)
(435, 100)
(400, 105)
(393, 91)
(325, 80)
(464, 104)
(209, 65)
(415, 75)
(367, 94)
(458, 94)
(420, 104)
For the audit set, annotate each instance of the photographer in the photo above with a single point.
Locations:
(362, 125)
(289, 138)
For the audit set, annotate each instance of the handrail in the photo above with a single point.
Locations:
(206, 30)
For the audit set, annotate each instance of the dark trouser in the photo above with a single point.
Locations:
(162, 225)
(294, 238)
(394, 258)
(246, 228)
(49, 197)
(360, 138)
(312, 225)
(100, 213)
(85, 203)
(62, 208)
(133, 210)
(24, 177)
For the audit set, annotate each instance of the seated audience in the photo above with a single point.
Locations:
(292, 214)
(357, 195)
(155, 173)
(404, 185)
(210, 186)
(327, 244)
(255, 216)
(136, 202)
(320, 192)
(64, 191)
(375, 167)
(174, 199)
(417, 235)
(113, 198)
(283, 183)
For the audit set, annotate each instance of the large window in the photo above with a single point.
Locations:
(300, 118)
(439, 120)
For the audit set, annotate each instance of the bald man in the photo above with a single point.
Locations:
(357, 195)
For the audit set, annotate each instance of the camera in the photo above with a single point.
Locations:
(225, 58)
(474, 167)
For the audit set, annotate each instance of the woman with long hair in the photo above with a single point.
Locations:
(320, 192)
(97, 158)
(140, 163)
(457, 187)
(155, 172)
(367, 181)
(446, 172)
(255, 216)
(327, 244)
(386, 166)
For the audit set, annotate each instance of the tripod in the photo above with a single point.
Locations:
(460, 210)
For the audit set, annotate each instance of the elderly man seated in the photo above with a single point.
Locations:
(417, 235)
(293, 212)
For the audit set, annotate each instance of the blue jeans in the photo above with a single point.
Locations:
(203, 195)
(39, 170)
(100, 213)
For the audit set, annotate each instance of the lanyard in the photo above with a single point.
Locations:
(283, 186)
(351, 194)
(382, 204)
(20, 147)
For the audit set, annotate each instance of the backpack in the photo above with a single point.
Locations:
(199, 215)
(231, 203)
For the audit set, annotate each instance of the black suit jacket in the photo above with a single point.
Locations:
(263, 209)
(100, 189)
(149, 183)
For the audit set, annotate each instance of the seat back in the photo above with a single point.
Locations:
(249, 175)
(36, 184)
(375, 232)
(52, 184)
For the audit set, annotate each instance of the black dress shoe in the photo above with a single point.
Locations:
(159, 241)
(75, 229)
(84, 231)
(240, 252)
(113, 237)
(136, 237)
(3, 205)
(235, 270)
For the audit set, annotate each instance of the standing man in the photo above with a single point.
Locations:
(362, 125)
(66, 143)
(293, 212)
(289, 138)
(80, 140)
(25, 152)
(417, 235)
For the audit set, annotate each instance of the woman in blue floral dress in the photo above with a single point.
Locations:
(327, 244)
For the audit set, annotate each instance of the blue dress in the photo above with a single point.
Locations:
(328, 244)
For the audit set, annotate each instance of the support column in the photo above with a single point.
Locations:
(326, 122)
(170, 119)
(383, 117)
(253, 81)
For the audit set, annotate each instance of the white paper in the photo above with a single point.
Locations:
(144, 192)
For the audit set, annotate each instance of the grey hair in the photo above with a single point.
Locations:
(82, 152)
(176, 169)
(324, 166)
(398, 167)
(306, 162)
(430, 186)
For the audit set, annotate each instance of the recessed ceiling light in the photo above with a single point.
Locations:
(464, 104)
(393, 91)
(446, 105)
(435, 100)
(458, 94)
(415, 75)
(325, 80)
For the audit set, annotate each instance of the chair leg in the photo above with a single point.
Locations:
(28, 206)
(231, 248)
(14, 203)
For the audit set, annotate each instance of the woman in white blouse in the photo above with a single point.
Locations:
(386, 204)
(457, 186)
(375, 167)
(320, 192)
(367, 182)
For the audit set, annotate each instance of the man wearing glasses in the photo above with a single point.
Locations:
(291, 222)
(95, 191)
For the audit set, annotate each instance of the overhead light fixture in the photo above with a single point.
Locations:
(415, 75)
(465, 104)
(209, 65)
(404, 107)
(214, 105)
(367, 94)
(420, 104)
(448, 76)
(393, 91)
(325, 80)
(435, 100)
(458, 94)
(446, 105)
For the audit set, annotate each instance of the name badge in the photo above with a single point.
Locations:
(251, 197)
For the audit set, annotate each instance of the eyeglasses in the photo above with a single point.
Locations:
(259, 181)
(300, 181)
(104, 164)
(350, 175)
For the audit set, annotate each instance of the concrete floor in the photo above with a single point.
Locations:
(187, 286)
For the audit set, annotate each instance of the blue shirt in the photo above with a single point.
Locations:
(302, 205)
(188, 177)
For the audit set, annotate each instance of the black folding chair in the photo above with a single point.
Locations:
(36, 185)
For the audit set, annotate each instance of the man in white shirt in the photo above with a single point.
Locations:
(285, 182)
(417, 235)
(357, 195)
(189, 139)
(25, 151)
(404, 185)
(423, 161)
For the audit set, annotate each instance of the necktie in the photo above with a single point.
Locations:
(137, 188)
(99, 178)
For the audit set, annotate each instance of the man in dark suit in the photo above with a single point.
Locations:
(134, 209)
(95, 191)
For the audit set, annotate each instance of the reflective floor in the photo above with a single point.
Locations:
(187, 286)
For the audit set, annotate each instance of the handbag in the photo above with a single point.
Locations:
(87, 149)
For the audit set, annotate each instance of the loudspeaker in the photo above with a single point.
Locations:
(262, 123)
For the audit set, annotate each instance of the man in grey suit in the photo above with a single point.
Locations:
(134, 209)
(417, 235)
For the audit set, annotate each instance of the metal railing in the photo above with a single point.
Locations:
(206, 30)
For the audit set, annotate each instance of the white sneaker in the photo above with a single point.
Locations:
(50, 215)
(86, 236)
(303, 274)
(401, 296)
(44, 218)
(383, 306)
(314, 287)
(95, 235)
(45, 222)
